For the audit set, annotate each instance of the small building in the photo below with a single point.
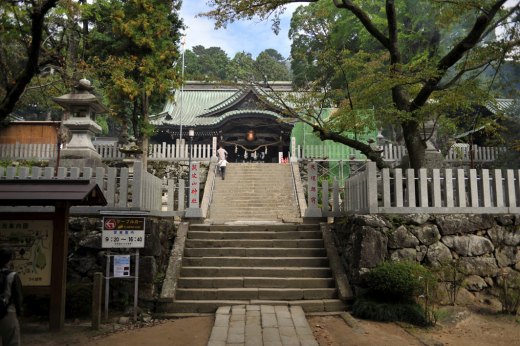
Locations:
(30, 132)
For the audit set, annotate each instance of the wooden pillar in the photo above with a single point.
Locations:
(59, 267)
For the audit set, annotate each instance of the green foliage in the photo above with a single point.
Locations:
(388, 312)
(509, 293)
(396, 281)
(412, 61)
(451, 275)
(132, 52)
(213, 64)
(78, 302)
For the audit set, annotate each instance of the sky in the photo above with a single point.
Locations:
(249, 36)
(252, 36)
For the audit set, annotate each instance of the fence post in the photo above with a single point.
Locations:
(325, 197)
(137, 185)
(372, 187)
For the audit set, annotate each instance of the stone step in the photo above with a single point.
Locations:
(256, 201)
(254, 293)
(255, 243)
(258, 282)
(255, 235)
(210, 306)
(254, 252)
(289, 272)
(255, 228)
(255, 261)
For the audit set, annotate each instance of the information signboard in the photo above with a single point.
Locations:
(31, 241)
(121, 266)
(123, 232)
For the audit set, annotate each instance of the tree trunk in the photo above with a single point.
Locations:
(414, 144)
(144, 134)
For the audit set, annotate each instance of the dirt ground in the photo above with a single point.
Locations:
(459, 326)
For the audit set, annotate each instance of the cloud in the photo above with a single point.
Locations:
(252, 36)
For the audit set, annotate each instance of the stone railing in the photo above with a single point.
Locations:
(123, 189)
(434, 191)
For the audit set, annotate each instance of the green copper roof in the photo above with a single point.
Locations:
(199, 104)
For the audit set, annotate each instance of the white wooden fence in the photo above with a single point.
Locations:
(122, 189)
(109, 152)
(393, 153)
(440, 191)
(203, 152)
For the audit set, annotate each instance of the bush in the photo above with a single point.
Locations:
(405, 312)
(78, 302)
(509, 294)
(396, 281)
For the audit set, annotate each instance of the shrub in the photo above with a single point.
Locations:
(405, 312)
(396, 281)
(509, 293)
(78, 300)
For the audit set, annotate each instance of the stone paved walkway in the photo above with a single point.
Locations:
(251, 325)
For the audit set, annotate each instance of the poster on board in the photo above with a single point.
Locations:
(121, 266)
(31, 241)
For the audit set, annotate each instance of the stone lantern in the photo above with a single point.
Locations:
(82, 107)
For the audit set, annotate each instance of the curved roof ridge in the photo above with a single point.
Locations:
(240, 94)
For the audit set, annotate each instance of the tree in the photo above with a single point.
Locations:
(22, 29)
(272, 66)
(206, 63)
(132, 51)
(408, 71)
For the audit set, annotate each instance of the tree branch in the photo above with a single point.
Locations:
(473, 37)
(15, 89)
(365, 20)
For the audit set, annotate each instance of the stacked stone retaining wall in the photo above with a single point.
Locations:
(484, 246)
(86, 257)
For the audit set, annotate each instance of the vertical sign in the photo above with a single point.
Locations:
(280, 157)
(293, 148)
(121, 266)
(312, 172)
(194, 184)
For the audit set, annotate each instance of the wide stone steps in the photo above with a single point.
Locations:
(254, 192)
(265, 264)
(254, 252)
(210, 306)
(254, 282)
(255, 261)
(255, 293)
(295, 272)
(254, 243)
(266, 235)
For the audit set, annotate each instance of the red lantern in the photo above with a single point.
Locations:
(250, 136)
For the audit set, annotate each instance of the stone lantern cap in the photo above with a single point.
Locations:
(81, 97)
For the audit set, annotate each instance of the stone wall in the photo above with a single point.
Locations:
(483, 245)
(86, 256)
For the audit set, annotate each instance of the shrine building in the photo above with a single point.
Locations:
(245, 119)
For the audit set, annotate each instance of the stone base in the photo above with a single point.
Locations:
(195, 213)
(81, 163)
(433, 159)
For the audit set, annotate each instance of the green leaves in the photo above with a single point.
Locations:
(133, 53)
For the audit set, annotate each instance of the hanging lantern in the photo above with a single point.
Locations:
(250, 136)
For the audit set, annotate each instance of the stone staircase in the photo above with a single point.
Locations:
(273, 264)
(254, 192)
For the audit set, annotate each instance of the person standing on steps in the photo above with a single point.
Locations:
(11, 293)
(222, 165)
(222, 153)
